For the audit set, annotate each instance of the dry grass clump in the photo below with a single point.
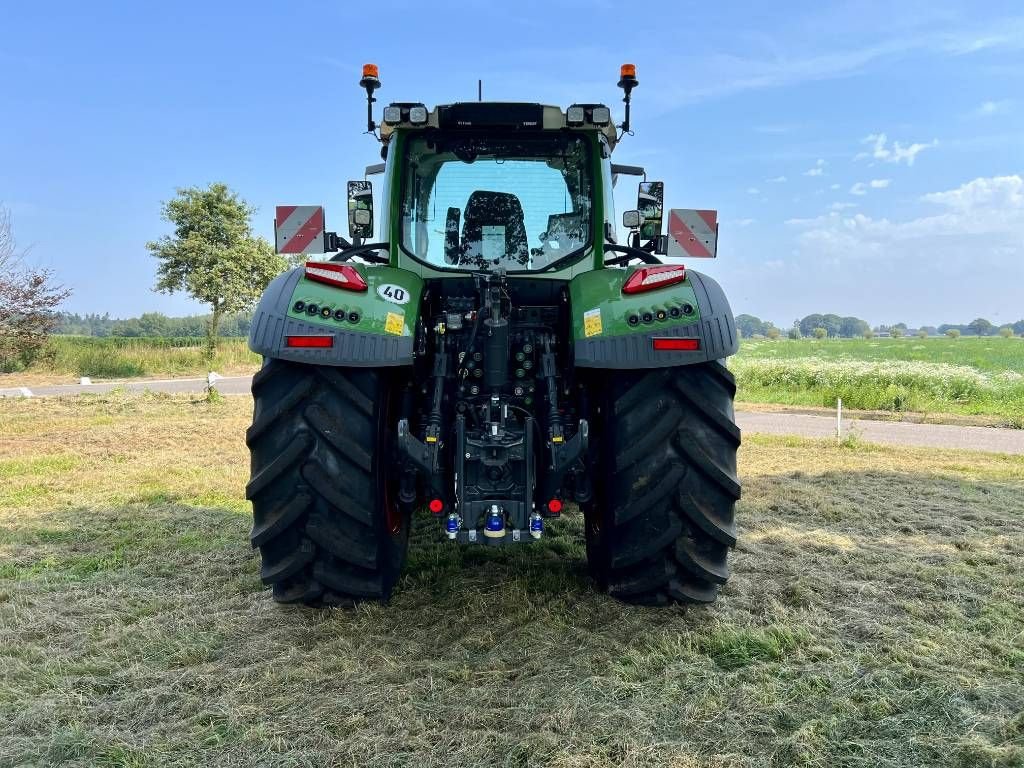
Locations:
(874, 619)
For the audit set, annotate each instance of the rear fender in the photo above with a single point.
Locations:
(605, 337)
(374, 327)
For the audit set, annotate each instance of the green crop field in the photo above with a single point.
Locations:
(123, 357)
(973, 376)
(873, 619)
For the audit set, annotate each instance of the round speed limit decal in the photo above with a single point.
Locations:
(396, 294)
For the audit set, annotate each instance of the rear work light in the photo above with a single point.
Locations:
(668, 344)
(316, 342)
(338, 275)
(649, 278)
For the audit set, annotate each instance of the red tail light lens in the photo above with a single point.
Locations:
(555, 506)
(316, 342)
(665, 344)
(649, 278)
(436, 506)
(338, 275)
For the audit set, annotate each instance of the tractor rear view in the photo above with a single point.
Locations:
(498, 353)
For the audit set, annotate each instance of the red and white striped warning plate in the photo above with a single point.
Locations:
(692, 233)
(299, 229)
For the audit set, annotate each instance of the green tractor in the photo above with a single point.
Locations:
(497, 354)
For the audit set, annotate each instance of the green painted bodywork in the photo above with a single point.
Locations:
(371, 306)
(601, 290)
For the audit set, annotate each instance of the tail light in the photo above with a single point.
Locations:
(649, 278)
(338, 275)
(315, 342)
(668, 344)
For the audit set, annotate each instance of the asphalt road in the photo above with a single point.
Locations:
(751, 422)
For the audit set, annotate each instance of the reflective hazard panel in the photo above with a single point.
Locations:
(299, 229)
(692, 233)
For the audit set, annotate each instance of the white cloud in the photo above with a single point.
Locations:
(981, 220)
(743, 222)
(990, 108)
(1006, 192)
(777, 180)
(817, 170)
(834, 186)
(882, 151)
(862, 187)
(843, 206)
(753, 191)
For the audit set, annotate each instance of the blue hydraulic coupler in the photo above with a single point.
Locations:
(536, 525)
(452, 525)
(494, 526)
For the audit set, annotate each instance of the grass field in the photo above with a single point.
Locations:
(874, 618)
(70, 357)
(974, 376)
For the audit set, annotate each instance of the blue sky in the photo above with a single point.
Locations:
(865, 158)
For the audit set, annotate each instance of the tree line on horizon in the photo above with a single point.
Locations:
(834, 326)
(157, 324)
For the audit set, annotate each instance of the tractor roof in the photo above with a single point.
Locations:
(497, 115)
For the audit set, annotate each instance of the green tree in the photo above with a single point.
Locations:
(896, 332)
(980, 326)
(794, 332)
(1006, 331)
(953, 333)
(213, 255)
(922, 334)
(868, 333)
(820, 333)
(773, 332)
(849, 327)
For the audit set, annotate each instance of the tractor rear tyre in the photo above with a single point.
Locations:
(324, 516)
(661, 524)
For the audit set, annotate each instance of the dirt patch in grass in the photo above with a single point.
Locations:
(874, 618)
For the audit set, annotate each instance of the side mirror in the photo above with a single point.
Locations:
(360, 210)
(651, 202)
(632, 219)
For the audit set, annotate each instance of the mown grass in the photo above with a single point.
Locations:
(122, 358)
(973, 376)
(873, 619)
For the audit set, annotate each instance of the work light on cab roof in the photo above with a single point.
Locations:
(495, 347)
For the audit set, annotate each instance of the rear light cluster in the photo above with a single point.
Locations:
(650, 278)
(327, 313)
(338, 275)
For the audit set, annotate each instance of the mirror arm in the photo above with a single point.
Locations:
(357, 250)
(629, 253)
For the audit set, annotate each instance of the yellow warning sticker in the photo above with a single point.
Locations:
(394, 324)
(592, 322)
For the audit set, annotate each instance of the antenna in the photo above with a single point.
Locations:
(479, 90)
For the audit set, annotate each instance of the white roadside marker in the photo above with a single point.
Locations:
(25, 391)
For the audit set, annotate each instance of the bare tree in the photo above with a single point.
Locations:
(28, 298)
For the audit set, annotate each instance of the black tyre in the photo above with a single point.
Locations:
(324, 518)
(661, 525)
